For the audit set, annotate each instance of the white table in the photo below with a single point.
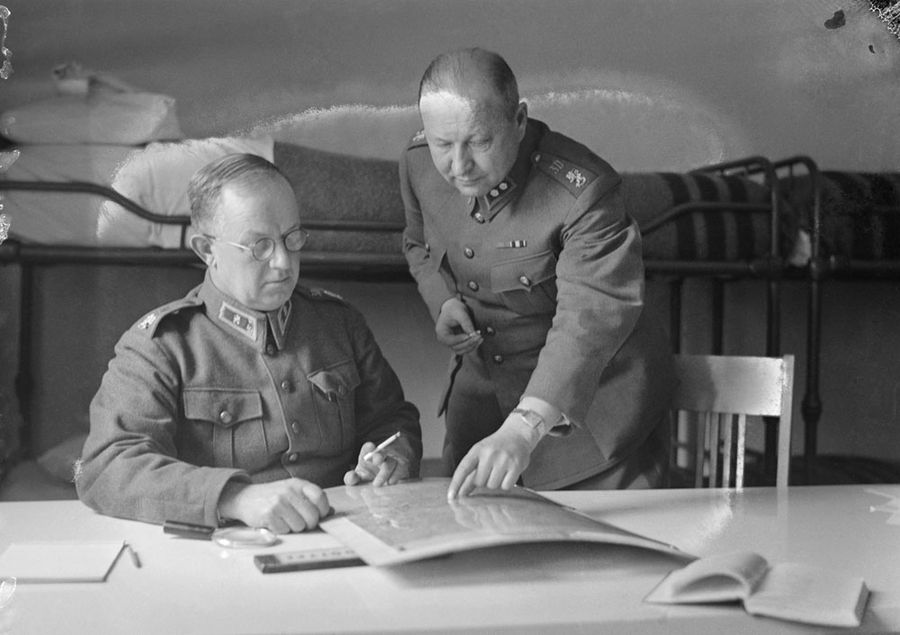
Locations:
(188, 586)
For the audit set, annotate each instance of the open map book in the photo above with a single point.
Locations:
(413, 520)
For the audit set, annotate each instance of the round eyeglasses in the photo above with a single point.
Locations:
(263, 248)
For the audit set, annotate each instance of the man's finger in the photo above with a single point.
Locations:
(509, 480)
(384, 472)
(465, 467)
(472, 481)
(314, 494)
(495, 480)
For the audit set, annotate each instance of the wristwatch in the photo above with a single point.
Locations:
(533, 420)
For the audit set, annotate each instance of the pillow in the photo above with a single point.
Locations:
(156, 178)
(117, 118)
(59, 218)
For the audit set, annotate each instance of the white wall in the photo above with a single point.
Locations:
(650, 84)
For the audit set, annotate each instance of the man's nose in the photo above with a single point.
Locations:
(460, 160)
(281, 257)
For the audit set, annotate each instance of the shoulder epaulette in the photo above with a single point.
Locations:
(417, 140)
(317, 293)
(151, 321)
(575, 178)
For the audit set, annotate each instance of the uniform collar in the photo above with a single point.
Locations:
(510, 187)
(236, 318)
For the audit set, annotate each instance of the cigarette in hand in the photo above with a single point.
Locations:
(381, 446)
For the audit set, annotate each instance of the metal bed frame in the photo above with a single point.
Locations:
(393, 267)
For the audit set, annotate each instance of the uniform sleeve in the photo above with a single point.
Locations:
(424, 269)
(381, 409)
(129, 464)
(600, 288)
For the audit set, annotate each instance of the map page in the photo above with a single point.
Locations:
(414, 520)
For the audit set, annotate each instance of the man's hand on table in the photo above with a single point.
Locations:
(285, 506)
(497, 461)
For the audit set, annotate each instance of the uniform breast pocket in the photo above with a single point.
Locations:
(225, 428)
(334, 389)
(527, 285)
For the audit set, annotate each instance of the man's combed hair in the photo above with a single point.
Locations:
(234, 169)
(456, 70)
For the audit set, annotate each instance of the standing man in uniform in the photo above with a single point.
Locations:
(533, 272)
(244, 399)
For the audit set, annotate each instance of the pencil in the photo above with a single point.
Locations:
(135, 559)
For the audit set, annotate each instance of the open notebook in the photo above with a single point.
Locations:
(414, 520)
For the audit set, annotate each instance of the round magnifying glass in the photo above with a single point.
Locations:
(233, 537)
(242, 537)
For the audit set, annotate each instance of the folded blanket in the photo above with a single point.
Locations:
(860, 212)
(332, 186)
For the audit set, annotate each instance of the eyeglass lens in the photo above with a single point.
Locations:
(293, 241)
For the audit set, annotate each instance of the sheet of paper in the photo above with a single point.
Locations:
(414, 520)
(60, 561)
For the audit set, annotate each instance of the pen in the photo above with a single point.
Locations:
(368, 455)
(134, 556)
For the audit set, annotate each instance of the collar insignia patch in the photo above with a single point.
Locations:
(240, 321)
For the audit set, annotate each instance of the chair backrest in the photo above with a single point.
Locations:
(713, 399)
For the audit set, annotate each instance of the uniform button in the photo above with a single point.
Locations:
(504, 185)
(270, 350)
(525, 280)
(286, 386)
(479, 217)
(225, 417)
(537, 157)
(498, 359)
(293, 458)
(495, 192)
(295, 426)
(473, 285)
(427, 247)
(489, 330)
(469, 252)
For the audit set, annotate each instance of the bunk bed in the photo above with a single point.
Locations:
(723, 222)
(853, 219)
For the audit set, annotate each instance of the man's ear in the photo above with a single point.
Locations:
(202, 246)
(521, 119)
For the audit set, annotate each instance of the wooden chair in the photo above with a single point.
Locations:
(715, 396)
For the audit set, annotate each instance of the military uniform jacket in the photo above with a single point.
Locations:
(551, 267)
(204, 390)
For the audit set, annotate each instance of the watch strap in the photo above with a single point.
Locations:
(533, 420)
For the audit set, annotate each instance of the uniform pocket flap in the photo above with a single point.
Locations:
(336, 381)
(436, 255)
(523, 274)
(221, 406)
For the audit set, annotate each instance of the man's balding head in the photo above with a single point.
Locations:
(477, 75)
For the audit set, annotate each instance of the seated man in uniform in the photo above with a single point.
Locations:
(244, 399)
